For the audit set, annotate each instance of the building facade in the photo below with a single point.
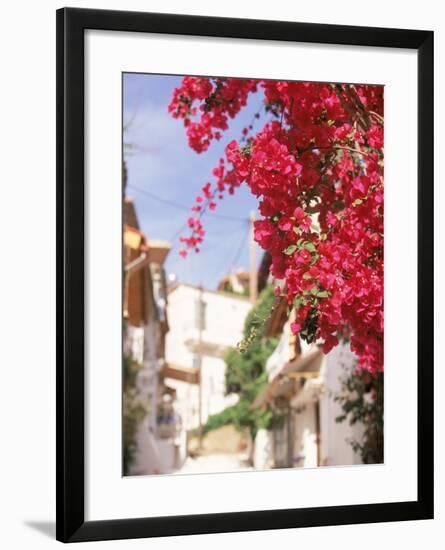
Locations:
(145, 329)
(203, 325)
(301, 389)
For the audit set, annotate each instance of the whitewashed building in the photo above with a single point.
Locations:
(203, 324)
(156, 440)
(302, 385)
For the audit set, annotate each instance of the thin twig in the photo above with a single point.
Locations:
(377, 116)
(342, 147)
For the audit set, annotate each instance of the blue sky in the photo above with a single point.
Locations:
(160, 163)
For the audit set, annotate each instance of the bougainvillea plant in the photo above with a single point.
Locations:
(316, 167)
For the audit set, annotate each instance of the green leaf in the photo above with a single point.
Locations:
(314, 291)
(357, 202)
(310, 246)
(323, 294)
(290, 249)
(306, 276)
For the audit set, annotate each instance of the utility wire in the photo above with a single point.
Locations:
(177, 233)
(209, 234)
(240, 249)
(234, 259)
(183, 206)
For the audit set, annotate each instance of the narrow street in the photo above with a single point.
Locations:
(221, 462)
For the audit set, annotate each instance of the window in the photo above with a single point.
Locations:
(200, 314)
(195, 362)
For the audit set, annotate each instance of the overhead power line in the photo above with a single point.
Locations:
(175, 204)
(221, 269)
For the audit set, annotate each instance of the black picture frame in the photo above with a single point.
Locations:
(71, 24)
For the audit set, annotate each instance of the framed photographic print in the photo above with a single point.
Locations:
(245, 274)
